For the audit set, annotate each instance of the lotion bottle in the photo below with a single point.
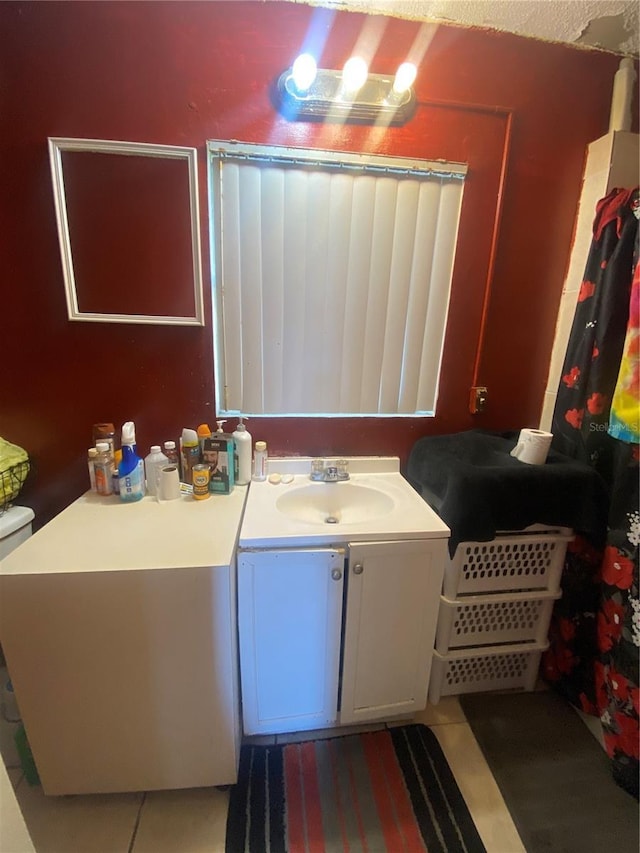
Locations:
(131, 466)
(242, 454)
(260, 459)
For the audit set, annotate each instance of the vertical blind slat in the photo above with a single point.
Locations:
(273, 263)
(357, 292)
(318, 188)
(340, 219)
(295, 248)
(378, 297)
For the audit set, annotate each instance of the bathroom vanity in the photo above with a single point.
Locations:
(338, 594)
(118, 623)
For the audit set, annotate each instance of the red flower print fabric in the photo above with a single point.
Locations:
(574, 417)
(610, 619)
(570, 379)
(617, 570)
(587, 289)
(596, 403)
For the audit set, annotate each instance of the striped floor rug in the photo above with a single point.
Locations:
(389, 791)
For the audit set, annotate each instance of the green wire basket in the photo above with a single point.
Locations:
(11, 481)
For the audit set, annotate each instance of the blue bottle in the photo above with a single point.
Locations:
(130, 467)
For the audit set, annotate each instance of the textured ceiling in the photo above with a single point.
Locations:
(611, 25)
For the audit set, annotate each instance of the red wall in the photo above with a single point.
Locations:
(520, 112)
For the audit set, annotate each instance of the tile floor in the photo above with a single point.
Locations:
(193, 821)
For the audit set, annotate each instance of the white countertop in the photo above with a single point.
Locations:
(99, 534)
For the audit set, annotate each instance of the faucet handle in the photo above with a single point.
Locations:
(317, 469)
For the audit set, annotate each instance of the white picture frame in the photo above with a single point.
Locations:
(191, 277)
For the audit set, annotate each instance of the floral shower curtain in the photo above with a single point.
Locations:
(595, 631)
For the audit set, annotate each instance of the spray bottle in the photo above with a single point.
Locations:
(131, 466)
(203, 432)
(189, 454)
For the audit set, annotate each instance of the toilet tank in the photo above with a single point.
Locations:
(15, 527)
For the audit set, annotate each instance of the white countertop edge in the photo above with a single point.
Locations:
(307, 540)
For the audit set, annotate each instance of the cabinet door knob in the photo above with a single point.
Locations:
(336, 574)
(358, 569)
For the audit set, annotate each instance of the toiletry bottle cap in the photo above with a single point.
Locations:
(189, 436)
(103, 431)
(204, 431)
(220, 425)
(102, 446)
(261, 445)
(155, 448)
(241, 427)
(129, 433)
(170, 445)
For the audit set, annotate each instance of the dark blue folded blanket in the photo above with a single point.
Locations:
(478, 488)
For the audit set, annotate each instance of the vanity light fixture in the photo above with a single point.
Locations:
(309, 93)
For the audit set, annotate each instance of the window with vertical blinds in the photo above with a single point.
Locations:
(332, 275)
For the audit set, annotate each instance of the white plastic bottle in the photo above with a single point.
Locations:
(154, 460)
(260, 459)
(242, 453)
(91, 463)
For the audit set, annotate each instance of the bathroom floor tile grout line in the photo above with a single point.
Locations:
(137, 823)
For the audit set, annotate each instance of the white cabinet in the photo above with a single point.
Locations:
(290, 611)
(118, 624)
(292, 637)
(391, 617)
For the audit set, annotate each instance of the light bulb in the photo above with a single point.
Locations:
(405, 75)
(304, 71)
(354, 74)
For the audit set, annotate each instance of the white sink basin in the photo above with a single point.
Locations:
(334, 503)
(376, 504)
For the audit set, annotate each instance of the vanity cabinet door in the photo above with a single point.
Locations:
(393, 592)
(290, 613)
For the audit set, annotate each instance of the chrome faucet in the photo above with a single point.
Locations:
(329, 472)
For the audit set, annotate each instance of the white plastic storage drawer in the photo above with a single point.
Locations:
(484, 620)
(482, 670)
(511, 561)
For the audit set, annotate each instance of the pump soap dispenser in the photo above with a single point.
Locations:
(242, 454)
(217, 453)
